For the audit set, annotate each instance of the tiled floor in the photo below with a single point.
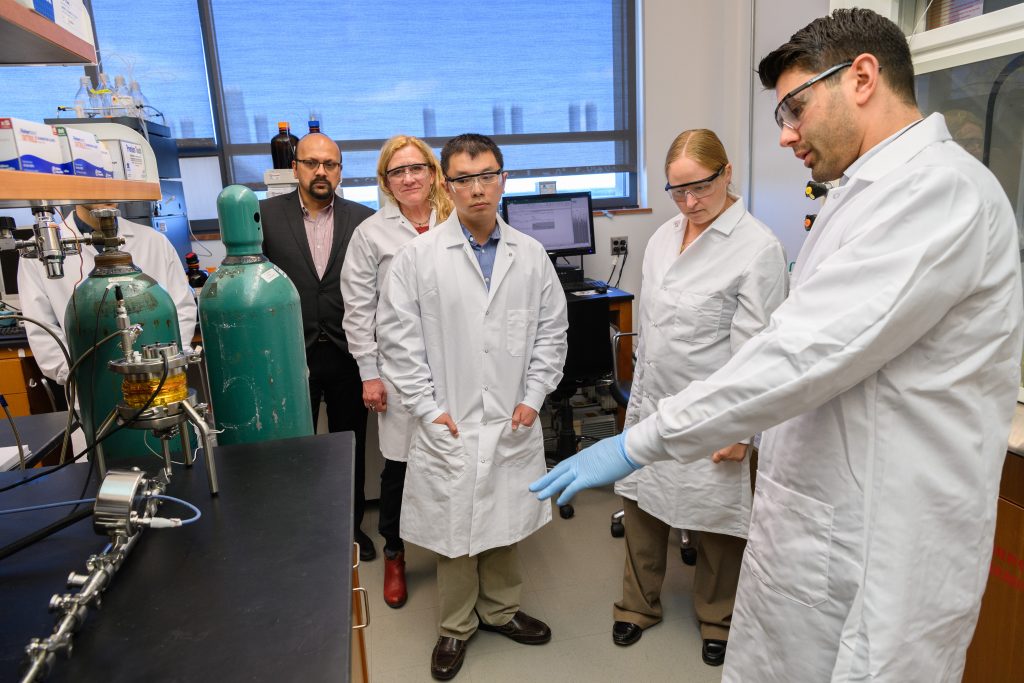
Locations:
(572, 576)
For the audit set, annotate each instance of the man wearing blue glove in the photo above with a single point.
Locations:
(890, 372)
(604, 462)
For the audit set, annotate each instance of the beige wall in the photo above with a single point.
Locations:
(695, 74)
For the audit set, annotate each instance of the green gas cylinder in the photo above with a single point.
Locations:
(91, 316)
(251, 322)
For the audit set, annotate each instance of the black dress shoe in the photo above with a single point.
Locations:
(447, 658)
(713, 652)
(625, 633)
(366, 550)
(522, 628)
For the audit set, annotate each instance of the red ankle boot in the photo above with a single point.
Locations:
(395, 593)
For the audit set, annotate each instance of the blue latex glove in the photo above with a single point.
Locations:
(603, 463)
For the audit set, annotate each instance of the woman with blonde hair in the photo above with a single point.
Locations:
(410, 178)
(712, 276)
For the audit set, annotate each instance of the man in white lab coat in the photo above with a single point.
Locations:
(46, 300)
(472, 330)
(891, 372)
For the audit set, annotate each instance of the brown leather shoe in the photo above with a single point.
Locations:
(447, 658)
(522, 628)
(395, 593)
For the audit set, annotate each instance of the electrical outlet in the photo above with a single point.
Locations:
(619, 246)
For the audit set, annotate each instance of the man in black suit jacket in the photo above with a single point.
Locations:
(305, 234)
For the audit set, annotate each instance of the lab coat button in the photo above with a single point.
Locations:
(485, 387)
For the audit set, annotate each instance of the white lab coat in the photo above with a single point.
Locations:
(363, 275)
(893, 368)
(451, 345)
(696, 309)
(46, 300)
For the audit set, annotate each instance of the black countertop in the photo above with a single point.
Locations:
(41, 433)
(612, 294)
(259, 589)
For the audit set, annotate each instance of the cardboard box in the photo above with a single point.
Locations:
(279, 176)
(84, 153)
(277, 190)
(72, 16)
(29, 146)
(128, 158)
(66, 158)
(43, 7)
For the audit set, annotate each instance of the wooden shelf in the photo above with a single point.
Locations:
(19, 188)
(29, 38)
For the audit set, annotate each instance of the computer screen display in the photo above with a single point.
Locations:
(563, 222)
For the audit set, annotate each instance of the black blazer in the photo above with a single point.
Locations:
(285, 244)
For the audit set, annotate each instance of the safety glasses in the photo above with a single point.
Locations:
(698, 189)
(789, 109)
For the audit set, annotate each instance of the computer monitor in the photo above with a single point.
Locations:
(563, 222)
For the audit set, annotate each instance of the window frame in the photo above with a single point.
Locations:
(625, 135)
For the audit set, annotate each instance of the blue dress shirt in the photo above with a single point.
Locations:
(486, 252)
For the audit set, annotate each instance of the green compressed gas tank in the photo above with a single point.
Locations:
(91, 316)
(251, 322)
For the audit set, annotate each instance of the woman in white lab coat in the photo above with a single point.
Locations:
(711, 278)
(410, 179)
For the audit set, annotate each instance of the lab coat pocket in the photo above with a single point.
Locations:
(436, 453)
(517, 330)
(790, 542)
(697, 317)
(522, 446)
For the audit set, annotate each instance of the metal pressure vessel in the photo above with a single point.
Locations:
(251, 322)
(90, 316)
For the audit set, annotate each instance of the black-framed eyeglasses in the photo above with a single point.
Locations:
(698, 189)
(788, 110)
(312, 164)
(467, 181)
(415, 171)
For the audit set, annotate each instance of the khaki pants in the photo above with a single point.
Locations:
(489, 585)
(716, 574)
(714, 582)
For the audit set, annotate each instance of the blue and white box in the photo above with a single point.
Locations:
(30, 146)
(43, 7)
(87, 156)
(82, 154)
